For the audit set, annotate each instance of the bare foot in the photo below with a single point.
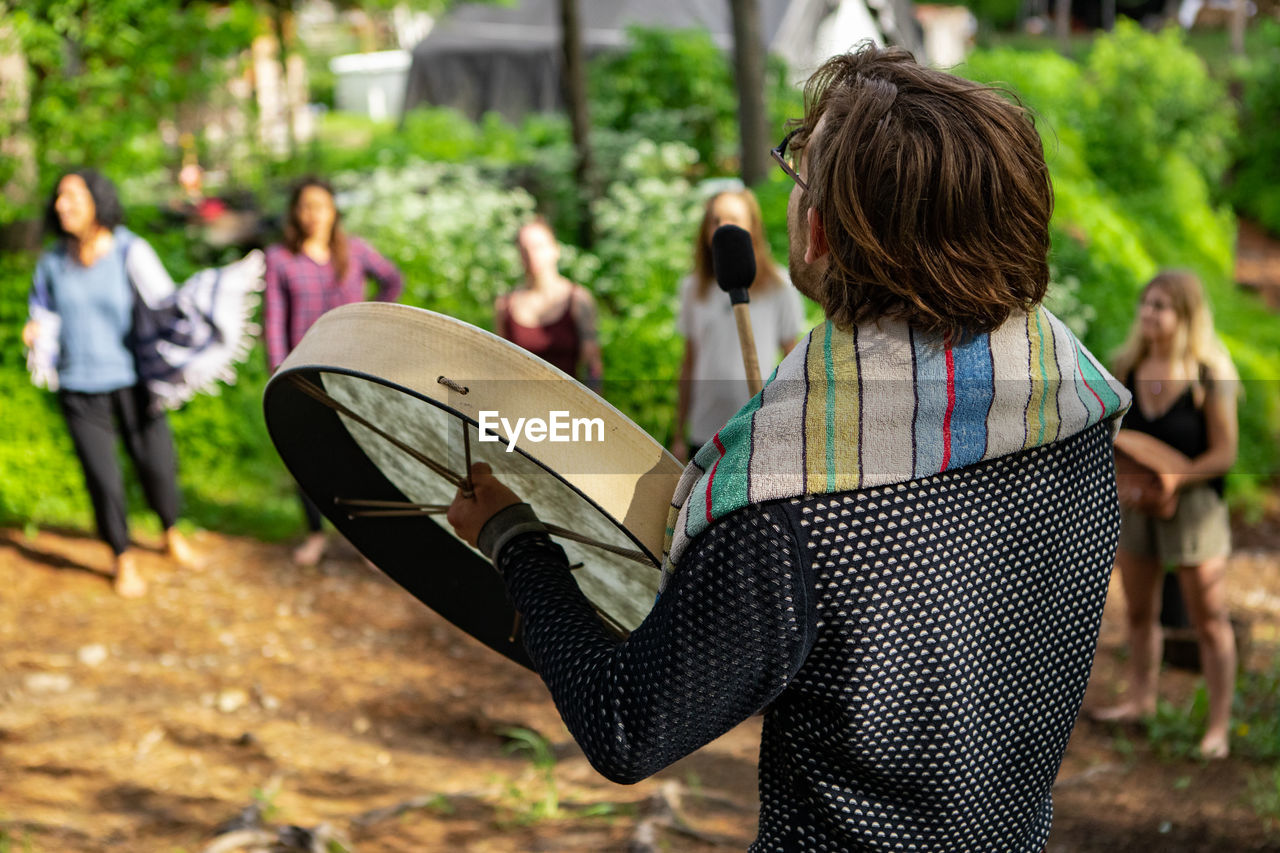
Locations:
(180, 549)
(1126, 712)
(1215, 746)
(128, 582)
(310, 551)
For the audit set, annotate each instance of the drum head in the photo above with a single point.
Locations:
(369, 414)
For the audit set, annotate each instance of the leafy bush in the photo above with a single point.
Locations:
(38, 470)
(451, 228)
(647, 222)
(992, 14)
(669, 85)
(677, 86)
(105, 73)
(1150, 100)
(1137, 138)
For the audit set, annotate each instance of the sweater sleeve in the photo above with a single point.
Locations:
(390, 281)
(40, 299)
(275, 310)
(147, 272)
(723, 640)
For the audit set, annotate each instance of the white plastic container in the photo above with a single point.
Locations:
(371, 83)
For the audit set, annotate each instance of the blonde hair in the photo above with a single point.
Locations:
(1195, 343)
(767, 274)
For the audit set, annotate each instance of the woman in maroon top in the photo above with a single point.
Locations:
(1184, 390)
(550, 316)
(318, 267)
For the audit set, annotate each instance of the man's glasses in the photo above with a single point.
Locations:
(787, 159)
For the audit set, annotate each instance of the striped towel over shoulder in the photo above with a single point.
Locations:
(883, 403)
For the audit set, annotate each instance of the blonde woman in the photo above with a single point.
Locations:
(1184, 388)
(713, 382)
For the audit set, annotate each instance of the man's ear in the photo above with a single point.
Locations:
(817, 238)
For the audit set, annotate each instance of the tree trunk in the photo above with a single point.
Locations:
(1239, 11)
(18, 171)
(748, 66)
(1062, 25)
(282, 18)
(574, 81)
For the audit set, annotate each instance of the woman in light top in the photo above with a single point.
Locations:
(713, 382)
(1184, 388)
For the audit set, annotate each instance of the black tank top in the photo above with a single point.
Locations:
(1182, 427)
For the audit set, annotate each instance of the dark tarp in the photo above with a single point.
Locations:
(483, 57)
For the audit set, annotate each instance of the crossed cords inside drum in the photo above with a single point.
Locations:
(383, 508)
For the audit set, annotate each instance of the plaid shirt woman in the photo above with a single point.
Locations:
(317, 268)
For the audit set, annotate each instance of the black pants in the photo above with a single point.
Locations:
(95, 421)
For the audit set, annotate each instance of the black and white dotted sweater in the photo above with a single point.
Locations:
(921, 651)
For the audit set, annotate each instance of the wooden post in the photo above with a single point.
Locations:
(1239, 11)
(748, 66)
(574, 80)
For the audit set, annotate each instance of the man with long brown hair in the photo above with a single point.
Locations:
(900, 549)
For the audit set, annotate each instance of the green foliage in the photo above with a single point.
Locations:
(1256, 188)
(1150, 99)
(450, 227)
(545, 803)
(1137, 136)
(38, 470)
(773, 194)
(669, 85)
(1001, 14)
(8, 840)
(991, 14)
(1256, 710)
(265, 799)
(677, 86)
(647, 221)
(1175, 731)
(1264, 790)
(105, 72)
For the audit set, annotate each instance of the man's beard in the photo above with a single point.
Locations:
(807, 277)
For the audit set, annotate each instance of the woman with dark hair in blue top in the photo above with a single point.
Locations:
(83, 305)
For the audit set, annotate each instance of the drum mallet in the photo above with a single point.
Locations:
(733, 258)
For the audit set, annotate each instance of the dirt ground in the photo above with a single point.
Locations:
(330, 696)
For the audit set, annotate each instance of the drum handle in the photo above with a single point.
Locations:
(405, 509)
